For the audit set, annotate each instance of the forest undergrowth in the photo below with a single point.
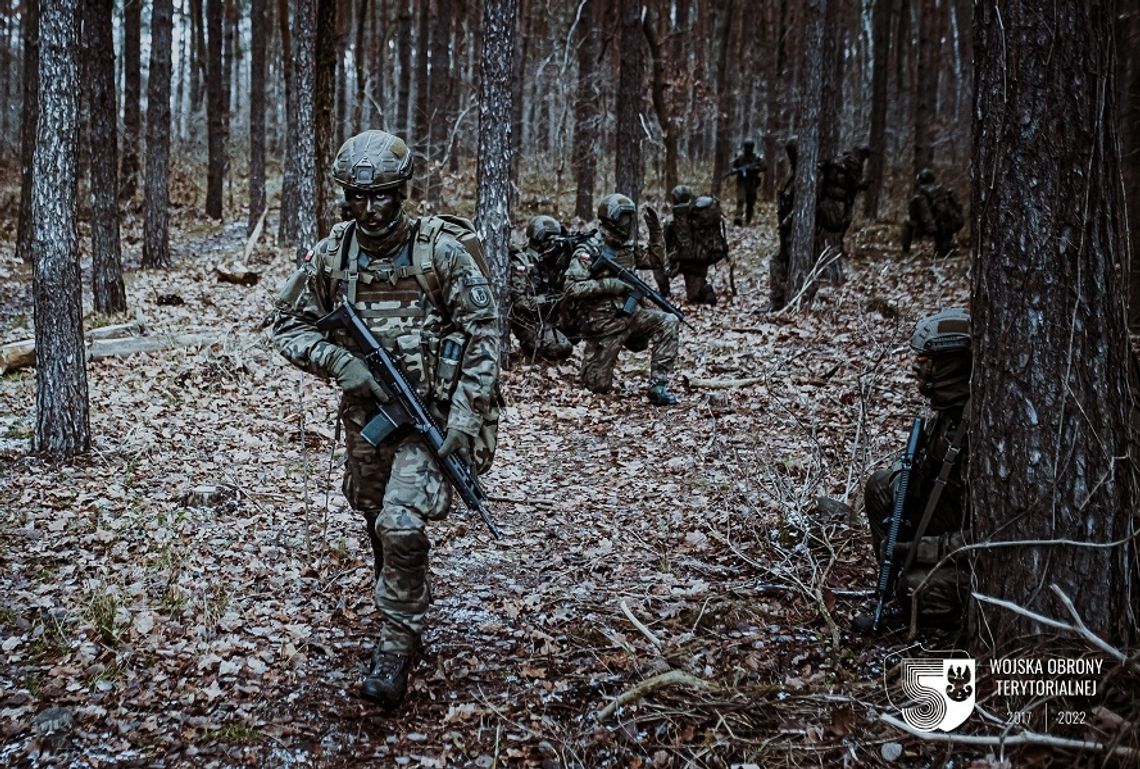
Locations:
(196, 592)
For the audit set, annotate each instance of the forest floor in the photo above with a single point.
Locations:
(143, 629)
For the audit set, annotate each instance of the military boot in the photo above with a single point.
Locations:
(387, 682)
(894, 618)
(659, 395)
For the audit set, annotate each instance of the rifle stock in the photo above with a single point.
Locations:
(406, 410)
(887, 574)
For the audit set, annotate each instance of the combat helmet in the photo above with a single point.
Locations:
(617, 218)
(749, 145)
(681, 194)
(942, 343)
(925, 176)
(373, 161)
(540, 230)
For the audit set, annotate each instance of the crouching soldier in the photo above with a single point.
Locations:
(536, 290)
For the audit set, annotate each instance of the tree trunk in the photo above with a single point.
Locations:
(518, 82)
(29, 112)
(1129, 45)
(628, 168)
(304, 145)
(925, 84)
(661, 103)
(324, 116)
(156, 244)
(832, 81)
(106, 256)
(62, 419)
(259, 29)
(586, 113)
(287, 224)
(1050, 455)
(494, 172)
(441, 84)
(723, 98)
(132, 91)
(881, 35)
(803, 254)
(422, 136)
(215, 108)
(403, 125)
(358, 58)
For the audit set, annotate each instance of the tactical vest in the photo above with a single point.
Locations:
(399, 300)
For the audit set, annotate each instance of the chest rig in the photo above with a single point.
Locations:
(394, 297)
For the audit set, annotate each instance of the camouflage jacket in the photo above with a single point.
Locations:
(747, 169)
(532, 297)
(391, 299)
(597, 306)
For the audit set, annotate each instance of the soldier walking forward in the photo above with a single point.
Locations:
(426, 300)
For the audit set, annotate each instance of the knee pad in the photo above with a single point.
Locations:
(405, 550)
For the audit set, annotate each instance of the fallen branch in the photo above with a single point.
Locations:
(650, 685)
(637, 624)
(253, 237)
(115, 348)
(1024, 738)
(22, 354)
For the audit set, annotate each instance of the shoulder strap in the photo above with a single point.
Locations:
(952, 451)
(423, 259)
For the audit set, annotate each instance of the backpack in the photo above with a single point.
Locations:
(447, 369)
(708, 229)
(947, 210)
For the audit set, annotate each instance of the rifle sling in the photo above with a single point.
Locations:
(940, 482)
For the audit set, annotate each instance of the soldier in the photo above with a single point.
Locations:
(536, 291)
(943, 363)
(694, 241)
(599, 298)
(841, 179)
(747, 168)
(420, 292)
(934, 212)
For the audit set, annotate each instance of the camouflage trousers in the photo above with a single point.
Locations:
(745, 204)
(698, 290)
(943, 592)
(541, 340)
(943, 241)
(647, 326)
(398, 487)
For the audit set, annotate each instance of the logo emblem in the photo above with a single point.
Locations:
(942, 691)
(480, 296)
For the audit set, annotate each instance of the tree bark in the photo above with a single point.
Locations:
(132, 91)
(106, 255)
(494, 171)
(324, 116)
(629, 167)
(723, 98)
(287, 224)
(62, 418)
(586, 113)
(881, 35)
(29, 113)
(1050, 452)
(304, 146)
(259, 30)
(925, 84)
(803, 254)
(358, 59)
(156, 235)
(1129, 28)
(403, 123)
(422, 137)
(440, 100)
(216, 110)
(661, 103)
(832, 81)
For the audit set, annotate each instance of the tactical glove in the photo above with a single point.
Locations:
(353, 376)
(456, 442)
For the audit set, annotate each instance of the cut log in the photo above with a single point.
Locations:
(241, 274)
(116, 348)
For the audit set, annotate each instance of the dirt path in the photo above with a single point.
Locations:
(235, 633)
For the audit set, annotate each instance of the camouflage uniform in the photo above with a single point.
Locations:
(944, 378)
(841, 179)
(398, 485)
(747, 168)
(535, 308)
(598, 302)
(934, 212)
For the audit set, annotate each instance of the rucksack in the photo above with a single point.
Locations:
(707, 222)
(947, 210)
(422, 268)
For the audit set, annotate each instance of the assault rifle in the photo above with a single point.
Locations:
(406, 410)
(639, 289)
(743, 169)
(887, 573)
